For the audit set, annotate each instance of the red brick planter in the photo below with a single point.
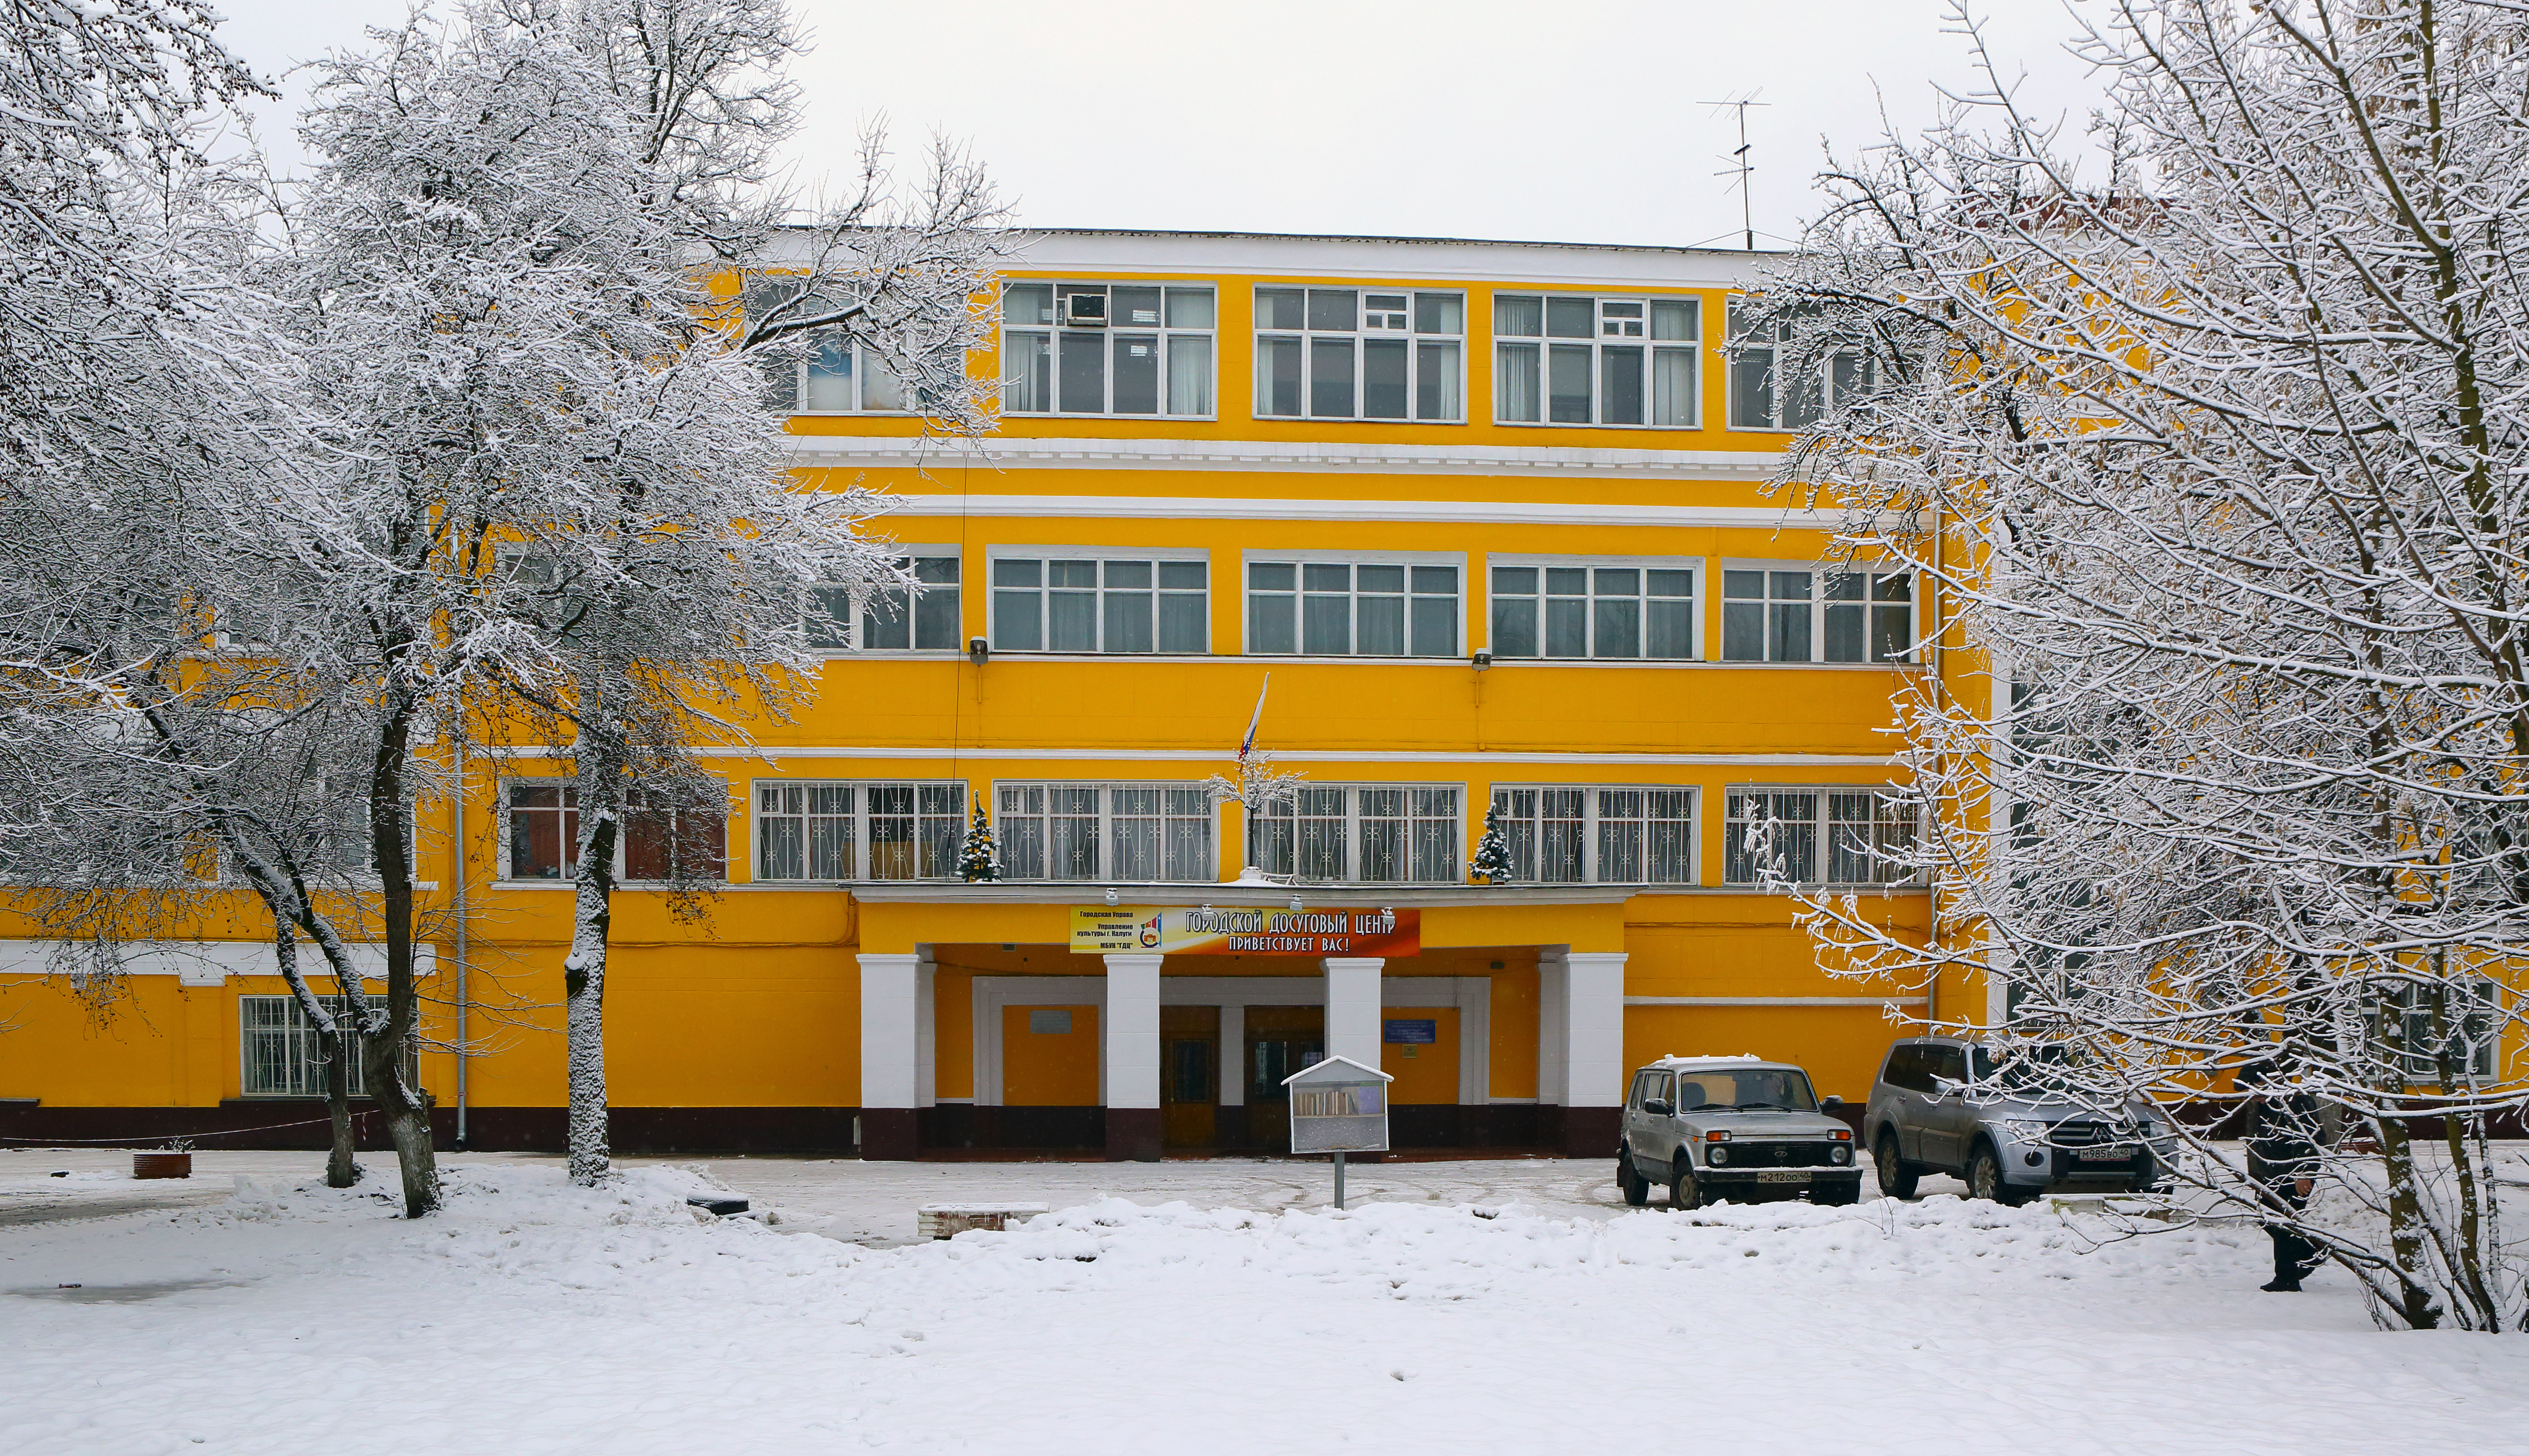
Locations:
(162, 1164)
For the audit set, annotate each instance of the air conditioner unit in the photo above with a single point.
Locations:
(1084, 310)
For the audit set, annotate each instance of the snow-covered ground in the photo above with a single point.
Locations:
(532, 1316)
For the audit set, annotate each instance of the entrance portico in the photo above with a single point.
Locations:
(981, 1027)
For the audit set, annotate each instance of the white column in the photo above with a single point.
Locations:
(1352, 1007)
(1593, 1058)
(926, 1030)
(891, 1020)
(1553, 1026)
(1233, 1056)
(1133, 1031)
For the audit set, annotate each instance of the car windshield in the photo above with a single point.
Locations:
(1751, 1089)
(2023, 1071)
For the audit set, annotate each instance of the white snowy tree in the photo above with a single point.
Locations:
(509, 259)
(2215, 457)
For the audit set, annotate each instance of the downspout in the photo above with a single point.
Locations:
(465, 975)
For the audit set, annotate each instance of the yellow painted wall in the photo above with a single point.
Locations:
(1043, 1069)
(1839, 1046)
(1424, 1074)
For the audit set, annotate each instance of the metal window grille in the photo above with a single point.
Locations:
(1608, 835)
(283, 1054)
(1139, 832)
(835, 832)
(1808, 835)
(1373, 834)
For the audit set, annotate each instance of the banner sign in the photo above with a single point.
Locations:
(1191, 929)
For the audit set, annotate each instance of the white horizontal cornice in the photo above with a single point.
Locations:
(1318, 457)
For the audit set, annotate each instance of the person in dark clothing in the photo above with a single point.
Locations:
(2282, 1163)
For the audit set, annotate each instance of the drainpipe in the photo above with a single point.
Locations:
(463, 964)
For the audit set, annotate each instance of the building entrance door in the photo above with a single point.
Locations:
(1280, 1040)
(1189, 1076)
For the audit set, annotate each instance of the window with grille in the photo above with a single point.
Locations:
(925, 618)
(283, 1054)
(1817, 835)
(836, 832)
(1136, 833)
(657, 839)
(1106, 349)
(1101, 604)
(1360, 353)
(1587, 834)
(1403, 834)
(1816, 614)
(1352, 608)
(1580, 360)
(1585, 610)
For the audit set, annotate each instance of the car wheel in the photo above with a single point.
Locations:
(1985, 1180)
(1629, 1181)
(1897, 1177)
(1682, 1193)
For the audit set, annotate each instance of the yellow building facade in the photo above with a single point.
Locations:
(1488, 514)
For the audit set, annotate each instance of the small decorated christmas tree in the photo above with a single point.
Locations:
(1492, 852)
(978, 858)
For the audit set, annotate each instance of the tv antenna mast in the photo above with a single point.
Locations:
(1741, 164)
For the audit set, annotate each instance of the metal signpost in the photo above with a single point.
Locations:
(1338, 1107)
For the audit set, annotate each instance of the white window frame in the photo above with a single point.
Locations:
(1818, 603)
(858, 818)
(1248, 559)
(307, 1070)
(1359, 336)
(1003, 811)
(1155, 556)
(1591, 822)
(1846, 372)
(1054, 332)
(855, 628)
(504, 808)
(1593, 564)
(1609, 327)
(1821, 850)
(1352, 820)
(2415, 1053)
(816, 343)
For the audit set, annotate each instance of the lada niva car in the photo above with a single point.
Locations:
(1735, 1128)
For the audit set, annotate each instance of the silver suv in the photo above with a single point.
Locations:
(1710, 1128)
(1944, 1104)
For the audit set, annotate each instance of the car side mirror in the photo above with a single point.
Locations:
(1949, 1086)
(1657, 1107)
(1830, 1103)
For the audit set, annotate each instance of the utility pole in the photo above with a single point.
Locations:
(1742, 166)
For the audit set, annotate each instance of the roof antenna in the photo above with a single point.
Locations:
(1741, 165)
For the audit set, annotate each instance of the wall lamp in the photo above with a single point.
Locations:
(979, 650)
(1480, 659)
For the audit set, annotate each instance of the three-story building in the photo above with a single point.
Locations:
(1491, 517)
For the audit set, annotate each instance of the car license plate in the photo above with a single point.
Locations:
(1782, 1175)
(2104, 1154)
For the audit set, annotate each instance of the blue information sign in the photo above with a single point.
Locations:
(1412, 1032)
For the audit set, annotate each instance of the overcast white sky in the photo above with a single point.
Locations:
(1579, 120)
